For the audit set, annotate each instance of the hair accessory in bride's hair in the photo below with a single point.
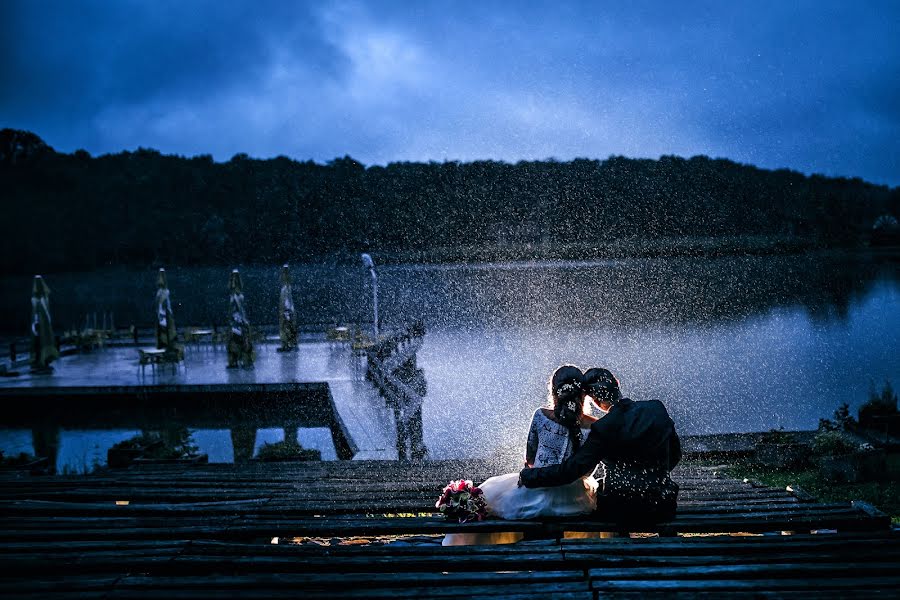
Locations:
(568, 410)
(568, 389)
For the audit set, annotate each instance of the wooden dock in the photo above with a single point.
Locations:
(319, 385)
(368, 529)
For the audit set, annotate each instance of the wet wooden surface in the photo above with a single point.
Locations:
(208, 531)
(104, 383)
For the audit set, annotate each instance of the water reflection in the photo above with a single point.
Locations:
(683, 291)
(227, 422)
(81, 451)
(788, 367)
(632, 291)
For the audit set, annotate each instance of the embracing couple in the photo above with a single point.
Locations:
(634, 445)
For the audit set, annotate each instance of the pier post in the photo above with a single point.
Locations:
(242, 440)
(291, 436)
(45, 439)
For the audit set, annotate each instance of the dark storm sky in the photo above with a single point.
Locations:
(812, 86)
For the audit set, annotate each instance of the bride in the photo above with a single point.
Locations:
(555, 434)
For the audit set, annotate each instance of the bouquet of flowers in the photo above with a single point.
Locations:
(462, 500)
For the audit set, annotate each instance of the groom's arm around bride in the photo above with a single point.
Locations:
(638, 446)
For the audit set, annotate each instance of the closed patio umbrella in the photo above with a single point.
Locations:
(240, 344)
(287, 319)
(166, 334)
(43, 345)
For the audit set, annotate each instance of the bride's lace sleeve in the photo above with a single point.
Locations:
(531, 445)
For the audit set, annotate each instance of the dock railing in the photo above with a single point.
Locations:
(393, 371)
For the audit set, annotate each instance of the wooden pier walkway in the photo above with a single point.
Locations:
(322, 378)
(327, 530)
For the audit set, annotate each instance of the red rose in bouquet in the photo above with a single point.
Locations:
(462, 500)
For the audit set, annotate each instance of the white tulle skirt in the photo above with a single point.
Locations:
(506, 500)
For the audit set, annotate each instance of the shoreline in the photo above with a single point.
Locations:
(692, 247)
(534, 255)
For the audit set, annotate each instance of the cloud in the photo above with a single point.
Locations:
(809, 86)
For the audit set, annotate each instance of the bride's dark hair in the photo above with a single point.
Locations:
(567, 400)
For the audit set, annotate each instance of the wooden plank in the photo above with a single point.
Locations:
(886, 583)
(710, 561)
(710, 567)
(321, 487)
(286, 500)
(264, 589)
(217, 548)
(319, 483)
(395, 580)
(25, 593)
(732, 545)
(298, 508)
(366, 564)
(335, 470)
(413, 501)
(251, 526)
(102, 522)
(516, 584)
(436, 471)
(58, 508)
(757, 594)
(797, 511)
(87, 564)
(140, 495)
(119, 533)
(269, 558)
(868, 509)
(53, 586)
(887, 534)
(337, 525)
(288, 506)
(63, 546)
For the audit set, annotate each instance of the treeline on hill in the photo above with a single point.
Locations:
(74, 211)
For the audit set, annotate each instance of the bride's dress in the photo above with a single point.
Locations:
(506, 500)
(554, 444)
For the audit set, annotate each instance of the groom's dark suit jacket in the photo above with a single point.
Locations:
(637, 445)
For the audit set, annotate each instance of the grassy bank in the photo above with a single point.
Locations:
(884, 495)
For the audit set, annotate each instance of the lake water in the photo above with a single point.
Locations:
(729, 344)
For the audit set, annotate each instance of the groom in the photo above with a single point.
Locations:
(637, 445)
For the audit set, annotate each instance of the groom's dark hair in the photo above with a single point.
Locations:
(601, 385)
